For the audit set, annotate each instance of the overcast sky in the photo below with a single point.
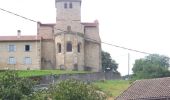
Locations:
(137, 24)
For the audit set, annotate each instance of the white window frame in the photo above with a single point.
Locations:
(11, 48)
(11, 60)
(27, 60)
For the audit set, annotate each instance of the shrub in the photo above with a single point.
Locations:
(14, 88)
(75, 90)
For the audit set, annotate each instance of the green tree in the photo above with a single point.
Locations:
(108, 64)
(75, 90)
(152, 66)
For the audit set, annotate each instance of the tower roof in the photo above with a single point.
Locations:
(68, 0)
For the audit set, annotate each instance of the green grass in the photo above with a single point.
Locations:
(112, 88)
(29, 73)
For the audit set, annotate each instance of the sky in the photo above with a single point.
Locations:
(143, 25)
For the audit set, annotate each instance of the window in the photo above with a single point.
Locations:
(70, 5)
(59, 47)
(27, 60)
(11, 60)
(11, 48)
(68, 28)
(78, 47)
(69, 47)
(27, 47)
(65, 5)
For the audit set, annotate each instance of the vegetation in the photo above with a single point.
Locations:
(108, 64)
(13, 87)
(75, 90)
(112, 88)
(28, 73)
(152, 66)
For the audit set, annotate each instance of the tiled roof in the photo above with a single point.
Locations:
(147, 89)
(21, 38)
(49, 24)
(90, 24)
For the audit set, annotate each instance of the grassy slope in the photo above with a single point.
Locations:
(27, 73)
(113, 87)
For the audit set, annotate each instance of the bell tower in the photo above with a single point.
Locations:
(68, 13)
(68, 10)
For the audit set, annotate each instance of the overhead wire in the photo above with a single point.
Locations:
(122, 47)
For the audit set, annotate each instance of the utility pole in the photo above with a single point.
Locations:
(128, 65)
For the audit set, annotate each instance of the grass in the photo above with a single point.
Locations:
(112, 88)
(29, 73)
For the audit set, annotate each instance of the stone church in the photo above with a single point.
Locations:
(68, 44)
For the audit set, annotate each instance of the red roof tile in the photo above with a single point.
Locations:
(21, 38)
(147, 89)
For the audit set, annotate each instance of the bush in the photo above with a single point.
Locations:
(75, 90)
(14, 88)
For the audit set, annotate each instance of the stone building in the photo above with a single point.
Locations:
(68, 44)
(20, 52)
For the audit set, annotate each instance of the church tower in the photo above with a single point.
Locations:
(69, 32)
(68, 14)
(70, 44)
(69, 10)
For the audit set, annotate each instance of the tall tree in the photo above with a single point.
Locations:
(108, 64)
(152, 66)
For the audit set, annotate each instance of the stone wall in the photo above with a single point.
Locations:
(46, 32)
(87, 77)
(48, 59)
(69, 59)
(93, 56)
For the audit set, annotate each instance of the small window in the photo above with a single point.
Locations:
(11, 48)
(59, 47)
(68, 28)
(27, 48)
(65, 5)
(11, 60)
(78, 47)
(70, 5)
(69, 47)
(27, 60)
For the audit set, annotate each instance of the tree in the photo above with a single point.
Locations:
(152, 66)
(108, 64)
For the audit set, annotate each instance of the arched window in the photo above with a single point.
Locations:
(69, 47)
(70, 5)
(78, 47)
(59, 47)
(65, 5)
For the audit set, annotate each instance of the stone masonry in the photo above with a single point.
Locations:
(68, 44)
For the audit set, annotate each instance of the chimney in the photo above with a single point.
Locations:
(19, 33)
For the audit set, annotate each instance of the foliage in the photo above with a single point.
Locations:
(29, 73)
(108, 64)
(152, 66)
(75, 90)
(14, 88)
(39, 95)
(112, 88)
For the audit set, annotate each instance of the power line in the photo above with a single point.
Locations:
(120, 47)
(17, 15)
(125, 48)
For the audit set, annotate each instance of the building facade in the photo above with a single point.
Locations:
(20, 52)
(67, 44)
